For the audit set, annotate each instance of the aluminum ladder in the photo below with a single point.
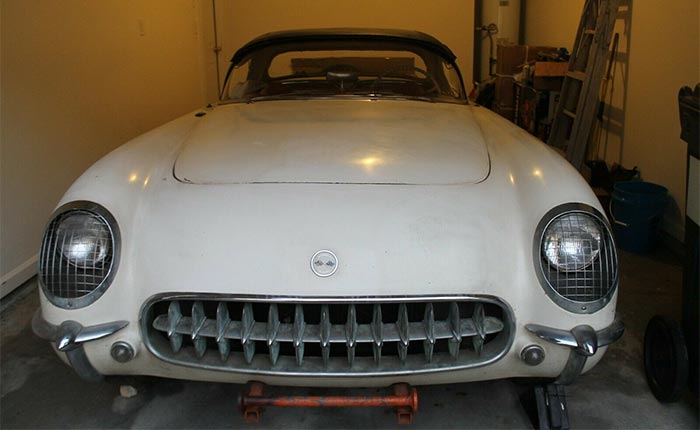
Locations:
(578, 103)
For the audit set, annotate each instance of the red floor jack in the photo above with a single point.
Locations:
(404, 399)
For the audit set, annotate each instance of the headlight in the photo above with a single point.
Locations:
(79, 254)
(575, 258)
(572, 242)
(85, 239)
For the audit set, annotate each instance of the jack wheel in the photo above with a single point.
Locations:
(665, 359)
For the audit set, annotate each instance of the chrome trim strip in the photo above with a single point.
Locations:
(509, 329)
(324, 299)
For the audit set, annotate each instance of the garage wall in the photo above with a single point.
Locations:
(659, 53)
(451, 21)
(664, 55)
(549, 23)
(79, 78)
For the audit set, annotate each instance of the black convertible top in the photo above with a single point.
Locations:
(329, 34)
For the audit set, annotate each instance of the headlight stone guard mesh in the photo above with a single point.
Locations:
(71, 284)
(590, 288)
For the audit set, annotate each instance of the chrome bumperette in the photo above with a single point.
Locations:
(330, 336)
(71, 334)
(583, 340)
(69, 338)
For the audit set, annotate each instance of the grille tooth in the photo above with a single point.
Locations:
(325, 334)
(174, 317)
(377, 332)
(273, 327)
(429, 327)
(198, 320)
(299, 327)
(222, 323)
(351, 333)
(454, 322)
(402, 327)
(247, 323)
(478, 320)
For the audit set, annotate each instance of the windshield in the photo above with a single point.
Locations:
(369, 69)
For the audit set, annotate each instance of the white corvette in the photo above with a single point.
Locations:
(342, 217)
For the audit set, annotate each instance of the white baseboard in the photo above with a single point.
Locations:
(18, 276)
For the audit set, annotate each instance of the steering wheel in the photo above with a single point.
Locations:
(396, 72)
(342, 75)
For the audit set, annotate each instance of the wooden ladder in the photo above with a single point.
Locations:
(578, 102)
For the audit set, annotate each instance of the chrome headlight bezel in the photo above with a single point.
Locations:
(63, 289)
(597, 279)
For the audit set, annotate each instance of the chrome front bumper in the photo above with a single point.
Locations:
(70, 336)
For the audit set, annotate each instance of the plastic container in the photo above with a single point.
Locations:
(636, 209)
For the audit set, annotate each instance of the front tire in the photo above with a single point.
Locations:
(665, 359)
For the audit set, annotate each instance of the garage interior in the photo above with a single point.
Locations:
(80, 78)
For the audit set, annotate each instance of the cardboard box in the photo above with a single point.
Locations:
(504, 111)
(528, 108)
(549, 75)
(511, 58)
(551, 68)
(505, 91)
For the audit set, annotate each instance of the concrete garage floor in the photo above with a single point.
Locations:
(39, 391)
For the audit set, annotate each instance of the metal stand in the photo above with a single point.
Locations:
(671, 350)
(689, 105)
(552, 412)
(405, 400)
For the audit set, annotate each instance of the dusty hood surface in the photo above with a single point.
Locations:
(335, 141)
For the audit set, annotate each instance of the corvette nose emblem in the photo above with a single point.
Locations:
(324, 263)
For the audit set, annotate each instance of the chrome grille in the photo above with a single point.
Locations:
(288, 337)
(77, 254)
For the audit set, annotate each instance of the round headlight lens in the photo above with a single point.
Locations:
(572, 242)
(79, 254)
(84, 239)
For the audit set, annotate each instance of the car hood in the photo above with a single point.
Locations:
(335, 141)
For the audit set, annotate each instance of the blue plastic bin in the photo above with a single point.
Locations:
(636, 209)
